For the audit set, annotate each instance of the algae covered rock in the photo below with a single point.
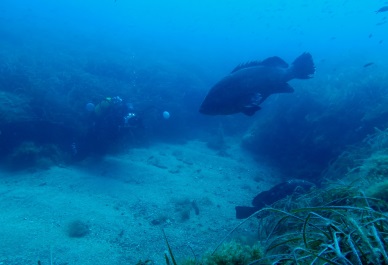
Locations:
(29, 155)
(234, 253)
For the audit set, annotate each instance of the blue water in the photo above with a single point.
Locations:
(62, 60)
(56, 57)
(232, 31)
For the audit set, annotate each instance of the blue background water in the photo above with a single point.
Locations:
(204, 31)
(56, 56)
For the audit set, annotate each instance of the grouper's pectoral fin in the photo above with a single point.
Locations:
(253, 104)
(283, 88)
(250, 110)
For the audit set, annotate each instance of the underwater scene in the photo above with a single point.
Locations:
(200, 132)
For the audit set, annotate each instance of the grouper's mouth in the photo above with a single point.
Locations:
(202, 110)
(206, 111)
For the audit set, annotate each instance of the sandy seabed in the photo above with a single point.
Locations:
(125, 201)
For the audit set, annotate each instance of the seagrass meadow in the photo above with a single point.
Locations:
(344, 221)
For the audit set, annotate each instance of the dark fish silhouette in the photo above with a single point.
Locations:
(383, 9)
(368, 64)
(275, 194)
(248, 85)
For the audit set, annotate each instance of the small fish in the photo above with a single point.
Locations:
(368, 64)
(381, 23)
(383, 9)
(370, 36)
(249, 84)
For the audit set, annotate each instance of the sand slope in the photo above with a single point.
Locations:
(124, 201)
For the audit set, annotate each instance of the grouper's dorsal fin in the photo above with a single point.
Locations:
(270, 62)
(274, 62)
(246, 65)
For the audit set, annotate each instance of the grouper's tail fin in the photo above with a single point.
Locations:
(303, 66)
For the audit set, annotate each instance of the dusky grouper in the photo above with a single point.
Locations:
(248, 85)
(276, 193)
